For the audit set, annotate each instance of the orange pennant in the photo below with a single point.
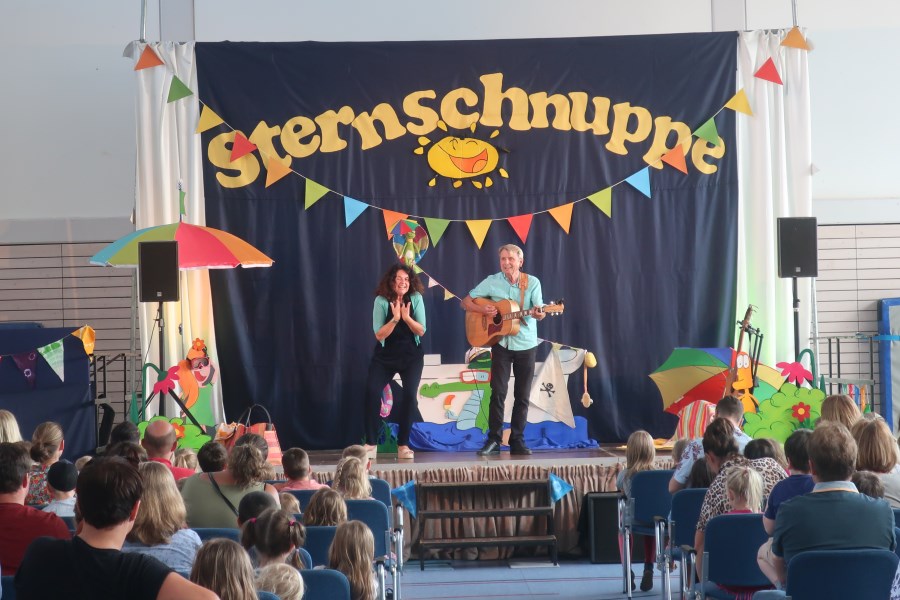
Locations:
(275, 171)
(479, 228)
(148, 59)
(390, 219)
(241, 146)
(768, 72)
(795, 39)
(675, 158)
(521, 225)
(563, 215)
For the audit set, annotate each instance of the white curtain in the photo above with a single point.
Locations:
(774, 167)
(169, 153)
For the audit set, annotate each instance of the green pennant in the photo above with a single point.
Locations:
(603, 201)
(708, 132)
(314, 192)
(436, 228)
(181, 196)
(178, 90)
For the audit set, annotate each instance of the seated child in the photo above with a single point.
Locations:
(61, 478)
(297, 471)
(276, 535)
(866, 482)
(326, 507)
(640, 453)
(289, 503)
(282, 580)
(351, 553)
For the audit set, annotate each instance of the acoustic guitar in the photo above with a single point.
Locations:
(484, 330)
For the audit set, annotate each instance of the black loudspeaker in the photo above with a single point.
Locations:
(158, 271)
(603, 529)
(797, 247)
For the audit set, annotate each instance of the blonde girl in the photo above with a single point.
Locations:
(351, 480)
(276, 535)
(640, 453)
(282, 580)
(223, 567)
(9, 427)
(744, 489)
(351, 553)
(47, 446)
(326, 507)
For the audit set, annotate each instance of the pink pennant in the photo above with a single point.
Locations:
(26, 363)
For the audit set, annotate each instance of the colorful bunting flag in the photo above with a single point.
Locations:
(521, 225)
(26, 362)
(675, 158)
(177, 90)
(314, 192)
(275, 170)
(208, 120)
(708, 132)
(181, 195)
(563, 215)
(54, 354)
(479, 228)
(448, 294)
(87, 336)
(417, 269)
(739, 103)
(795, 39)
(390, 219)
(241, 146)
(768, 72)
(352, 209)
(603, 201)
(641, 181)
(148, 59)
(432, 282)
(436, 228)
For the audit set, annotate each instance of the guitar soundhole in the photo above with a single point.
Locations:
(498, 319)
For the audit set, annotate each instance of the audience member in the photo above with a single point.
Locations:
(223, 567)
(833, 516)
(91, 565)
(160, 441)
(798, 483)
(701, 476)
(126, 431)
(677, 450)
(130, 451)
(326, 507)
(868, 483)
(276, 535)
(350, 479)
(744, 490)
(79, 464)
(877, 452)
(159, 529)
(358, 451)
(282, 580)
(640, 453)
(289, 502)
(254, 504)
(351, 553)
(297, 471)
(20, 524)
(9, 427)
(47, 446)
(212, 498)
(186, 458)
(839, 408)
(212, 457)
(729, 408)
(61, 479)
(766, 448)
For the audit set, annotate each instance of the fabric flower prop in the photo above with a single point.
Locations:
(198, 345)
(795, 372)
(801, 411)
(167, 383)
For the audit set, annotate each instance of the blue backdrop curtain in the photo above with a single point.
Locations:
(659, 274)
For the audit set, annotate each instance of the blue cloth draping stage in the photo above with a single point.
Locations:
(660, 273)
(69, 402)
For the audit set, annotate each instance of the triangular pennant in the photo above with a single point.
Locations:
(739, 103)
(432, 282)
(241, 146)
(641, 181)
(390, 219)
(479, 228)
(768, 72)
(26, 362)
(708, 132)
(181, 196)
(417, 269)
(448, 294)
(563, 215)
(521, 225)
(404, 227)
(352, 209)
(178, 90)
(275, 170)
(795, 39)
(148, 59)
(603, 201)
(436, 228)
(87, 336)
(314, 192)
(675, 158)
(208, 119)
(54, 354)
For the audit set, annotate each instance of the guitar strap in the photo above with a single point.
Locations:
(523, 285)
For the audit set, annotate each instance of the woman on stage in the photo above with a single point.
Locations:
(398, 320)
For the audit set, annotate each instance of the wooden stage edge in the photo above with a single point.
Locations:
(325, 460)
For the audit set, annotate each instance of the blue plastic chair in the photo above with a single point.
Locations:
(325, 584)
(303, 497)
(305, 558)
(896, 517)
(376, 516)
(730, 548)
(267, 596)
(645, 513)
(381, 491)
(683, 519)
(864, 574)
(7, 583)
(318, 540)
(210, 533)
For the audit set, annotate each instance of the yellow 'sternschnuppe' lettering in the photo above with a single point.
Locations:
(364, 123)
(450, 108)
(428, 117)
(219, 152)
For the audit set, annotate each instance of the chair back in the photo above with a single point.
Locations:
(861, 574)
(318, 540)
(381, 490)
(896, 517)
(267, 595)
(8, 587)
(651, 498)
(70, 523)
(303, 497)
(209, 533)
(325, 584)
(732, 542)
(686, 506)
(305, 558)
(375, 515)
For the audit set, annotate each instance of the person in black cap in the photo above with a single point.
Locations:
(61, 478)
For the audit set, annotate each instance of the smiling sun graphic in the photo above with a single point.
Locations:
(459, 158)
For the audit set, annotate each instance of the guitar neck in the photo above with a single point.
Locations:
(516, 315)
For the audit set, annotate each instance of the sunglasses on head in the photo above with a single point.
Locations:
(197, 363)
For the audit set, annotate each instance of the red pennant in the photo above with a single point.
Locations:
(769, 72)
(404, 228)
(241, 146)
(521, 225)
(148, 59)
(675, 158)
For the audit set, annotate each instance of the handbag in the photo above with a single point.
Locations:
(228, 434)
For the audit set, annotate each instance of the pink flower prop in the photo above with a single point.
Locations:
(795, 372)
(167, 383)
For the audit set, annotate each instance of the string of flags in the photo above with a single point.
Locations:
(478, 228)
(52, 353)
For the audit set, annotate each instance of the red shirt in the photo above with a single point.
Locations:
(178, 472)
(19, 526)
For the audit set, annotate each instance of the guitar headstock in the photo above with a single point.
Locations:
(555, 307)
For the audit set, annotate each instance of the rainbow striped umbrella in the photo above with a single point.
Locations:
(198, 248)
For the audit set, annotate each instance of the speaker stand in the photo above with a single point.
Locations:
(796, 321)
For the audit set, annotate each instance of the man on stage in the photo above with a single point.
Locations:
(514, 353)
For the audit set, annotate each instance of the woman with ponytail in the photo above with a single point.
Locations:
(46, 447)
